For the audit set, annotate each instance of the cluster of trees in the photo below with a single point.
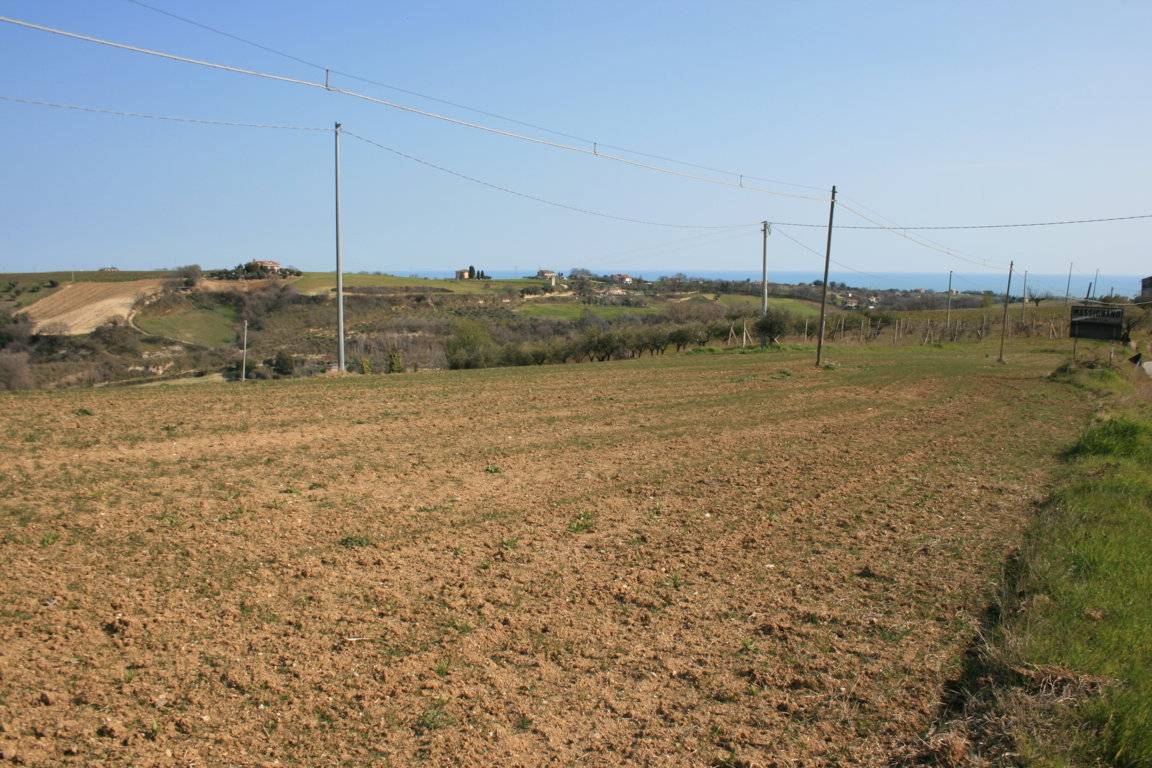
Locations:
(252, 271)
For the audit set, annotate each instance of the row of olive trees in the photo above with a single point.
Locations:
(470, 344)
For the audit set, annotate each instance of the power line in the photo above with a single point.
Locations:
(543, 200)
(200, 121)
(171, 118)
(923, 242)
(465, 107)
(593, 152)
(689, 242)
(817, 253)
(707, 239)
(970, 226)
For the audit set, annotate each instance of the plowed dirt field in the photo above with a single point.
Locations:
(728, 560)
(83, 307)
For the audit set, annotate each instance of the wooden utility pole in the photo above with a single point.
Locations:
(1004, 323)
(824, 292)
(339, 266)
(767, 230)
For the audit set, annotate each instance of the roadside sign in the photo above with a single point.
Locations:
(1097, 322)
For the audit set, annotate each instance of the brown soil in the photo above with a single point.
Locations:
(83, 307)
(686, 562)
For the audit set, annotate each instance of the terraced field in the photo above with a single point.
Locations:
(677, 561)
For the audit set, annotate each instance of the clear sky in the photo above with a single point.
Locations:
(928, 112)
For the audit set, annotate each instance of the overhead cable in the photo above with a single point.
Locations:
(592, 152)
(171, 118)
(817, 253)
(438, 100)
(969, 226)
(545, 201)
(924, 242)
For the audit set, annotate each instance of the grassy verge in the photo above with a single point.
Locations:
(1066, 677)
(1089, 575)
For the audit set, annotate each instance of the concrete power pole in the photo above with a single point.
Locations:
(948, 310)
(824, 293)
(339, 266)
(1024, 303)
(767, 230)
(1004, 322)
(1068, 287)
(244, 355)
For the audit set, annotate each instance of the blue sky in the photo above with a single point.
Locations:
(930, 113)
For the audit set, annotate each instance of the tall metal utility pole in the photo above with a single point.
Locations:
(948, 311)
(767, 230)
(1068, 287)
(244, 355)
(339, 266)
(1004, 322)
(824, 293)
(1095, 284)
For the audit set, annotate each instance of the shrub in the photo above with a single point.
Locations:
(772, 326)
(189, 275)
(470, 346)
(395, 361)
(284, 364)
(14, 371)
(117, 337)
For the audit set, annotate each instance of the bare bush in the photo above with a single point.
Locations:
(14, 371)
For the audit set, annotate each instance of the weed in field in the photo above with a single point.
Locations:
(83, 412)
(583, 523)
(356, 541)
(1120, 438)
(433, 718)
(443, 667)
(457, 626)
(492, 469)
(49, 539)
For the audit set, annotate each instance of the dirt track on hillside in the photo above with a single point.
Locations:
(83, 307)
(729, 561)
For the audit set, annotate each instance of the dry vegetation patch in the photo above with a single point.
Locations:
(691, 560)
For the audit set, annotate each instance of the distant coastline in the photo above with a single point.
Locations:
(1039, 285)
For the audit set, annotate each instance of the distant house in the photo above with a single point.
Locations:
(623, 279)
(268, 264)
(1146, 287)
(546, 274)
(464, 274)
